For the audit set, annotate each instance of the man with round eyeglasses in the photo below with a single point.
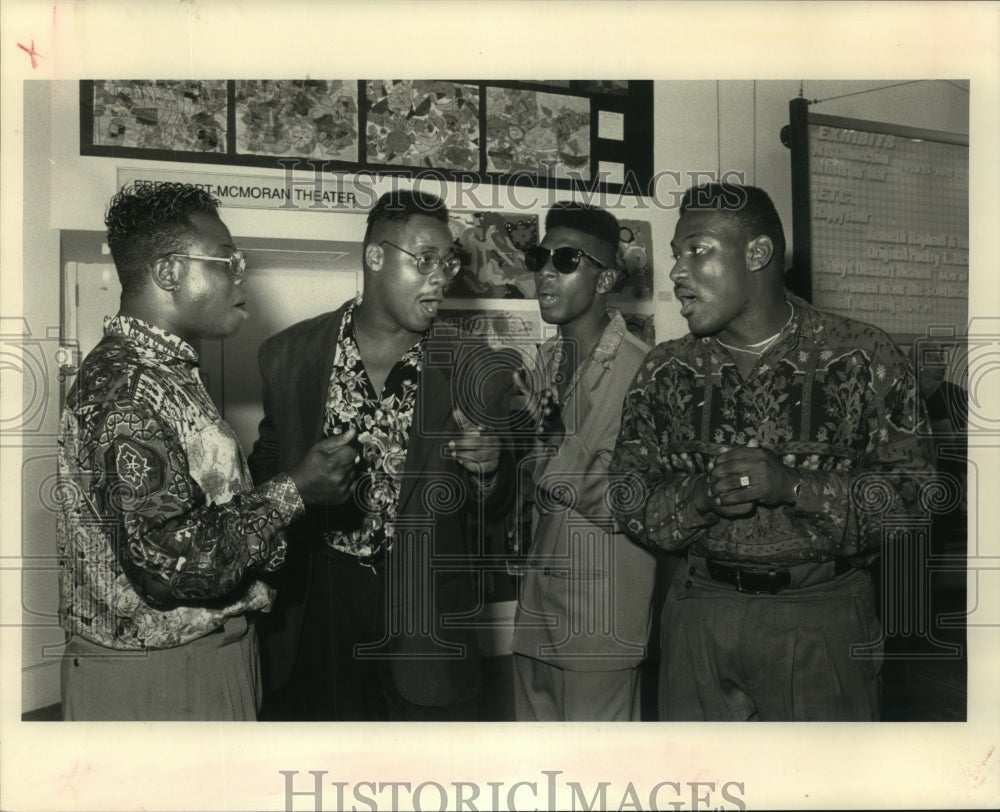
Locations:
(368, 621)
(429, 262)
(585, 593)
(163, 542)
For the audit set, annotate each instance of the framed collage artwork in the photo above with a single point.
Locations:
(547, 133)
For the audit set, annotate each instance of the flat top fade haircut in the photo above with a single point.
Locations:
(584, 217)
(399, 205)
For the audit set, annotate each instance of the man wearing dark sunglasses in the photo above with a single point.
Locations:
(584, 610)
(163, 541)
(364, 626)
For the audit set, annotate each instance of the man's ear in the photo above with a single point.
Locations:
(373, 257)
(606, 280)
(760, 251)
(165, 273)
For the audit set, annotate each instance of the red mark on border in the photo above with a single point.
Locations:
(32, 53)
(979, 776)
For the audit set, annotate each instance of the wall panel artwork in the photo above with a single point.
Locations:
(311, 119)
(491, 245)
(531, 131)
(160, 115)
(635, 259)
(418, 123)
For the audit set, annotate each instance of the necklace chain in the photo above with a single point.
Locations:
(752, 349)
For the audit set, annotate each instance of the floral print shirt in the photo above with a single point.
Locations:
(160, 533)
(382, 422)
(834, 398)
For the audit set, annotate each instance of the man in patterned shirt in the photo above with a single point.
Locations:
(375, 611)
(776, 445)
(161, 536)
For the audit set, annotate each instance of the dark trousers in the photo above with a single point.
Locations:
(335, 678)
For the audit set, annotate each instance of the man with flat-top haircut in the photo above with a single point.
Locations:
(767, 445)
(584, 607)
(372, 621)
(162, 539)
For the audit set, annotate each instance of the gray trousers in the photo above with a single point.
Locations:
(213, 678)
(812, 653)
(545, 693)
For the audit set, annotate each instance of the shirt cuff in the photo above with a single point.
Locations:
(282, 493)
(810, 497)
(686, 514)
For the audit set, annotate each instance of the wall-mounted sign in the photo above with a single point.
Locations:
(312, 191)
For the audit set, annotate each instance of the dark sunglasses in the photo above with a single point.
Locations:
(564, 260)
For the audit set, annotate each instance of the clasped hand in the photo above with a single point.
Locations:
(327, 472)
(475, 449)
(741, 479)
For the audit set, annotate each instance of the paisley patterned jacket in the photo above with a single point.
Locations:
(160, 533)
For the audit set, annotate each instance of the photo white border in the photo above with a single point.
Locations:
(232, 767)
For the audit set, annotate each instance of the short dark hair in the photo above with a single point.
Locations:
(584, 217)
(750, 206)
(146, 221)
(399, 205)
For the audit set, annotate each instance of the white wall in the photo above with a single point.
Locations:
(41, 390)
(937, 105)
(735, 126)
(700, 126)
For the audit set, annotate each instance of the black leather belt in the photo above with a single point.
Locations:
(760, 581)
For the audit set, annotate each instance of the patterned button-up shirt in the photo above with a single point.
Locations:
(160, 532)
(834, 398)
(382, 422)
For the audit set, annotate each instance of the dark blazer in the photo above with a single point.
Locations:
(434, 662)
